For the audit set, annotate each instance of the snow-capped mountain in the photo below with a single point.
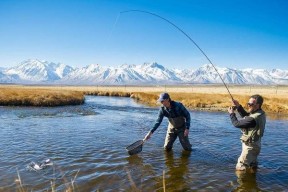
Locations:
(208, 74)
(133, 74)
(41, 72)
(38, 71)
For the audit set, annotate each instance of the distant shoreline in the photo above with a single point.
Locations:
(195, 97)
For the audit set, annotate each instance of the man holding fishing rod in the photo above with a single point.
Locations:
(179, 122)
(252, 126)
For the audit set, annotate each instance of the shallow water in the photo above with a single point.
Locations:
(87, 145)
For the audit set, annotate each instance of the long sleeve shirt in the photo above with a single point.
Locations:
(177, 109)
(246, 122)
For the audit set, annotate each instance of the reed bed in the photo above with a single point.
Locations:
(212, 98)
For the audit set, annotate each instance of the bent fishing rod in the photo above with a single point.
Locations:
(191, 40)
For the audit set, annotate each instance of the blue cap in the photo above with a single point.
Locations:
(163, 96)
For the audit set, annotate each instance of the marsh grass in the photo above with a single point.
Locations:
(214, 102)
(16, 96)
(107, 93)
(211, 98)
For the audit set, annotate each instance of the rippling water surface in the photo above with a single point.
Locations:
(86, 144)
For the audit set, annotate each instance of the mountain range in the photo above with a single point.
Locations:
(34, 71)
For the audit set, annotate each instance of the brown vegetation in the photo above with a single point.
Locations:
(214, 102)
(17, 96)
(202, 97)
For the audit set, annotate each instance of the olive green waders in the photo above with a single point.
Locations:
(249, 154)
(176, 128)
(251, 142)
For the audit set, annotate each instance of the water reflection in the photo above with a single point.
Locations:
(247, 181)
(176, 171)
(137, 172)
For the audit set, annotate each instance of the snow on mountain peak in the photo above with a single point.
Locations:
(127, 66)
(93, 67)
(36, 71)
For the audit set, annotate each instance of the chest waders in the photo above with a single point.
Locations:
(176, 129)
(177, 123)
(251, 142)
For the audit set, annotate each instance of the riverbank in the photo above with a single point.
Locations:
(44, 97)
(199, 97)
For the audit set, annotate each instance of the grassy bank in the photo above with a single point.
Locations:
(214, 102)
(19, 96)
(213, 97)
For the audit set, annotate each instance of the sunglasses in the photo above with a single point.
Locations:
(250, 104)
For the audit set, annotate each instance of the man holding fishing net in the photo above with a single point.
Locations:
(179, 122)
(252, 126)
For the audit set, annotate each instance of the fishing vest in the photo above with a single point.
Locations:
(253, 134)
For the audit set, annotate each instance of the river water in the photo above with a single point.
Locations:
(86, 147)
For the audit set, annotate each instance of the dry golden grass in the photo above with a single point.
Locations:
(204, 97)
(17, 96)
(214, 102)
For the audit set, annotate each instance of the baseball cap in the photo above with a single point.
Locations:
(163, 96)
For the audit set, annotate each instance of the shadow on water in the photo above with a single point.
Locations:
(143, 175)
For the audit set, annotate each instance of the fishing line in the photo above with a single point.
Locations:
(123, 12)
(113, 28)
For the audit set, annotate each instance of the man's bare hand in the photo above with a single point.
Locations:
(230, 110)
(186, 132)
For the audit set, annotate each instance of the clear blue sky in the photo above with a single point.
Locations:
(233, 33)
